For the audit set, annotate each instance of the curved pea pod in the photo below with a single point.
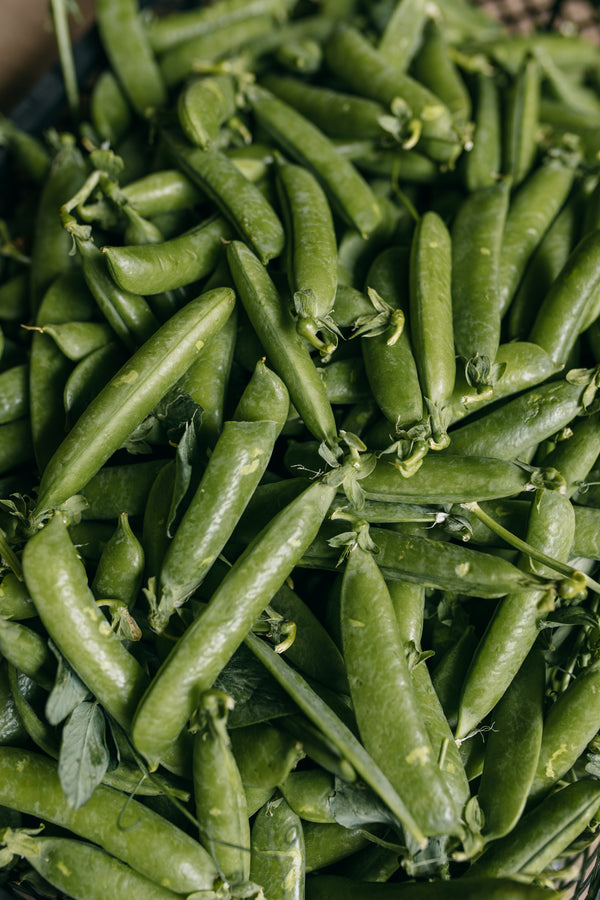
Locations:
(81, 869)
(328, 843)
(377, 667)
(285, 349)
(431, 327)
(308, 793)
(152, 845)
(110, 112)
(513, 628)
(58, 583)
(154, 268)
(482, 163)
(131, 58)
(512, 749)
(522, 101)
(28, 651)
(476, 245)
(121, 567)
(337, 887)
(218, 790)
(77, 339)
(541, 835)
(88, 378)
(569, 726)
(202, 107)
(265, 756)
(15, 602)
(167, 190)
(349, 193)
(14, 393)
(211, 640)
(434, 67)
(131, 394)
(575, 456)
(311, 252)
(571, 303)
(117, 489)
(277, 862)
(238, 460)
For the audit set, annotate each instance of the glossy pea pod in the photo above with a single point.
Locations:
(350, 195)
(88, 378)
(575, 456)
(219, 797)
(131, 394)
(211, 640)
(286, 351)
(203, 106)
(482, 163)
(308, 793)
(28, 651)
(120, 569)
(152, 845)
(513, 628)
(277, 861)
(521, 120)
(166, 190)
(375, 657)
(476, 245)
(402, 34)
(117, 489)
(311, 251)
(431, 327)
(14, 393)
(238, 460)
(265, 756)
(78, 339)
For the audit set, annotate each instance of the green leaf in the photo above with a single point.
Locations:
(256, 695)
(187, 471)
(175, 412)
(354, 804)
(67, 692)
(84, 758)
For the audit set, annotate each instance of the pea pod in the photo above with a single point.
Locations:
(434, 67)
(110, 112)
(202, 107)
(167, 190)
(265, 756)
(278, 863)
(15, 602)
(403, 32)
(522, 115)
(131, 394)
(121, 566)
(336, 887)
(482, 163)
(28, 651)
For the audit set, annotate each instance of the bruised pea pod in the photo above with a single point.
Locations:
(512, 749)
(541, 835)
(403, 32)
(265, 756)
(117, 489)
(15, 602)
(434, 67)
(77, 339)
(58, 583)
(278, 858)
(14, 393)
(482, 162)
(202, 107)
(350, 195)
(28, 651)
(218, 790)
(476, 246)
(152, 845)
(239, 200)
(311, 252)
(213, 637)
(521, 120)
(131, 394)
(154, 268)
(513, 627)
(530, 213)
(374, 656)
(431, 328)
(239, 458)
(131, 59)
(81, 869)
(88, 378)
(286, 351)
(337, 887)
(121, 567)
(110, 112)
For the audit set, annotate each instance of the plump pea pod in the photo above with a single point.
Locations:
(345, 381)
(285, 349)
(88, 378)
(482, 163)
(238, 460)
(12, 728)
(77, 339)
(311, 251)
(326, 844)
(513, 628)
(434, 67)
(14, 298)
(531, 212)
(337, 887)
(366, 71)
(541, 835)
(521, 120)
(110, 112)
(508, 431)
(28, 651)
(202, 107)
(265, 756)
(308, 793)
(586, 542)
(278, 863)
(121, 567)
(512, 749)
(374, 655)
(14, 393)
(131, 394)
(575, 456)
(571, 303)
(156, 513)
(431, 327)
(15, 602)
(211, 640)
(131, 59)
(58, 583)
(239, 200)
(167, 190)
(154, 268)
(152, 845)
(403, 33)
(218, 791)
(448, 674)
(117, 489)
(476, 244)
(80, 869)
(350, 195)
(569, 726)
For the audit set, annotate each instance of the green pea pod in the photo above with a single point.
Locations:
(131, 394)
(203, 105)
(575, 456)
(434, 67)
(350, 195)
(155, 537)
(211, 640)
(88, 378)
(513, 628)
(521, 122)
(14, 393)
(239, 459)
(167, 190)
(77, 339)
(336, 887)
(14, 298)
(110, 112)
(277, 861)
(12, 728)
(218, 791)
(28, 651)
(308, 793)
(286, 351)
(117, 489)
(403, 33)
(152, 845)
(375, 656)
(121, 567)
(265, 756)
(328, 843)
(482, 163)
(512, 749)
(15, 602)
(448, 675)
(29, 152)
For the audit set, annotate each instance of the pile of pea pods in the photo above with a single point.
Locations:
(299, 460)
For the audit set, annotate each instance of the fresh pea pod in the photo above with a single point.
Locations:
(15, 602)
(403, 33)
(28, 651)
(434, 67)
(278, 863)
(202, 107)
(308, 792)
(521, 122)
(14, 393)
(131, 394)
(121, 567)
(77, 339)
(110, 112)
(117, 489)
(482, 163)
(167, 190)
(337, 887)
(265, 756)
(88, 378)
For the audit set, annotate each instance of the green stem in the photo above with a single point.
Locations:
(65, 52)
